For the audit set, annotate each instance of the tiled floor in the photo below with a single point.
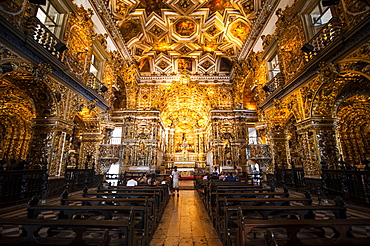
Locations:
(185, 222)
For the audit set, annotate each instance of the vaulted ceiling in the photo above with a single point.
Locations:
(168, 36)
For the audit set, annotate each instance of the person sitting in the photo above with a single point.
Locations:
(143, 179)
(221, 176)
(131, 182)
(152, 180)
(228, 177)
(214, 176)
(205, 177)
(215, 171)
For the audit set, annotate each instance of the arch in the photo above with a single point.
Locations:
(352, 109)
(335, 77)
(32, 80)
(16, 110)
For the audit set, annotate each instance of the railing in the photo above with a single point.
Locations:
(293, 178)
(352, 185)
(324, 37)
(110, 151)
(94, 82)
(115, 140)
(22, 184)
(259, 151)
(274, 83)
(43, 36)
(77, 179)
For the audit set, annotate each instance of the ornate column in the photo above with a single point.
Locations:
(319, 143)
(39, 154)
(325, 137)
(89, 149)
(279, 142)
(170, 147)
(306, 139)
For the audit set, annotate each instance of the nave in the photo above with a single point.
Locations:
(185, 220)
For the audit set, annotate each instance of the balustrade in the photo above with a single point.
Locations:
(274, 83)
(352, 185)
(40, 33)
(17, 185)
(77, 179)
(94, 83)
(292, 178)
(324, 37)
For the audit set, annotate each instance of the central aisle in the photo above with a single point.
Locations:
(185, 222)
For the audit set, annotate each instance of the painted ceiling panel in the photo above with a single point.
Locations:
(184, 31)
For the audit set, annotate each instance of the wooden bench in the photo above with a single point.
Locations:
(30, 229)
(227, 224)
(161, 200)
(162, 189)
(163, 194)
(144, 221)
(149, 202)
(221, 203)
(343, 232)
(213, 190)
(244, 194)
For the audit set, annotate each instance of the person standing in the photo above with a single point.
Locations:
(175, 180)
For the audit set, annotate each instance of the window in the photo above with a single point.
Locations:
(319, 16)
(96, 66)
(273, 66)
(51, 18)
(252, 136)
(116, 136)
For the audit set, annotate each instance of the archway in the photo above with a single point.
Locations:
(352, 110)
(16, 111)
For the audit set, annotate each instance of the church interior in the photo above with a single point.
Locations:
(93, 90)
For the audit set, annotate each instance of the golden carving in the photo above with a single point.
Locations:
(79, 40)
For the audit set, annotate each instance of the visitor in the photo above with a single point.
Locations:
(131, 182)
(215, 171)
(214, 176)
(152, 180)
(143, 179)
(228, 177)
(175, 175)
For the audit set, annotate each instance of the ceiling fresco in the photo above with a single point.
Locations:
(170, 36)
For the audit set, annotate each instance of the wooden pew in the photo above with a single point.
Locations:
(31, 228)
(149, 202)
(221, 203)
(233, 187)
(163, 190)
(304, 212)
(244, 194)
(145, 226)
(343, 232)
(152, 194)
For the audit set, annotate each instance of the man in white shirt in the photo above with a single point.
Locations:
(131, 182)
(175, 180)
